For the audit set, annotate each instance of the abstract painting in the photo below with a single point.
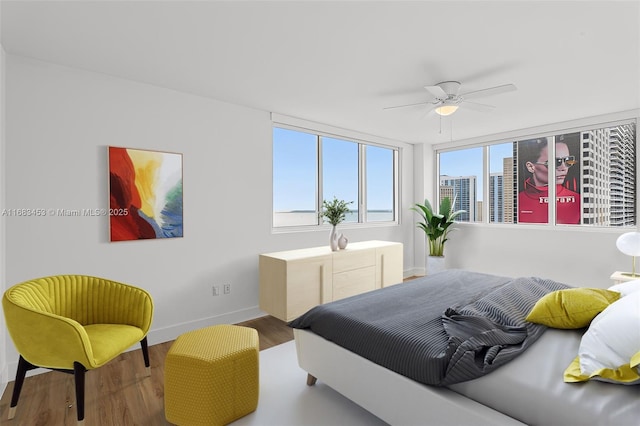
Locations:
(146, 194)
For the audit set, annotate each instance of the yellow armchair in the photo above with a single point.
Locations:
(74, 323)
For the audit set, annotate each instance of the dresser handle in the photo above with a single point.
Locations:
(322, 284)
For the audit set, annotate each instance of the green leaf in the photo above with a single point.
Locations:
(437, 225)
(335, 211)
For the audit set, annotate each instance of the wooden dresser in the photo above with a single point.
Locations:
(292, 282)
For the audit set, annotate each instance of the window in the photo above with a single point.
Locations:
(340, 173)
(537, 169)
(380, 178)
(501, 183)
(460, 177)
(309, 168)
(594, 171)
(294, 172)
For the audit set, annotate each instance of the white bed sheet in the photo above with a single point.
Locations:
(531, 389)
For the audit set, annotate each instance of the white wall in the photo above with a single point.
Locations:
(422, 189)
(60, 122)
(3, 330)
(584, 258)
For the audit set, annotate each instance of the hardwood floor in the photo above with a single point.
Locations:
(118, 393)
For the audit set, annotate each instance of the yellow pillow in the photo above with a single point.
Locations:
(572, 307)
(625, 374)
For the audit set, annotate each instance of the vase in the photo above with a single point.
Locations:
(342, 242)
(435, 264)
(333, 239)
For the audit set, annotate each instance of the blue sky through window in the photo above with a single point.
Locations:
(468, 162)
(340, 172)
(295, 172)
(379, 178)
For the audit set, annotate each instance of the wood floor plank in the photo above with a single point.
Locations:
(117, 394)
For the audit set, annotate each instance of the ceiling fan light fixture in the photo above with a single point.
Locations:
(446, 109)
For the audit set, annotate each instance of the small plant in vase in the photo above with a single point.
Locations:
(334, 212)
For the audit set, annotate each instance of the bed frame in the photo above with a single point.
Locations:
(392, 397)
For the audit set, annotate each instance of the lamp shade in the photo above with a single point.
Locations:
(447, 108)
(629, 243)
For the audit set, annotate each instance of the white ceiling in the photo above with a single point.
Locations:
(341, 63)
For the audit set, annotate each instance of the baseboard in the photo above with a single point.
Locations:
(415, 272)
(4, 379)
(167, 334)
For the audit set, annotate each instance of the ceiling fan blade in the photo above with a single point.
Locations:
(428, 112)
(408, 105)
(489, 91)
(437, 92)
(477, 107)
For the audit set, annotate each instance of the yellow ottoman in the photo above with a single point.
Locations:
(211, 376)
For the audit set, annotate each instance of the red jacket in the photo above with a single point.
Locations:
(533, 204)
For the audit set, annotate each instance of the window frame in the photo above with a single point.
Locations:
(320, 132)
(550, 131)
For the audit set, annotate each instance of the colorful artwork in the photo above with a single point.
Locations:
(146, 194)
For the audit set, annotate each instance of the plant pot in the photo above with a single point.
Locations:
(435, 264)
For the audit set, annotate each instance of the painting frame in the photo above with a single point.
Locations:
(145, 194)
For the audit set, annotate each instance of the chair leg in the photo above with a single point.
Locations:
(78, 374)
(145, 354)
(23, 367)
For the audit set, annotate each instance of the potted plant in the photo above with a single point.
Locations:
(334, 212)
(436, 226)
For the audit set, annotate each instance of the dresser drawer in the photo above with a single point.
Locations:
(353, 282)
(347, 260)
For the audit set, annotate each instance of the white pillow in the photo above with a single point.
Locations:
(613, 338)
(626, 288)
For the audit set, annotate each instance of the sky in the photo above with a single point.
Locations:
(468, 162)
(295, 170)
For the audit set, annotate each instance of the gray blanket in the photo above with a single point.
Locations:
(438, 330)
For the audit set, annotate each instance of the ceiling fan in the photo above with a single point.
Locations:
(447, 99)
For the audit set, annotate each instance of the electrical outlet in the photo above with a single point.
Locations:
(216, 290)
(227, 288)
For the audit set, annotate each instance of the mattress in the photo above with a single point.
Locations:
(390, 396)
(531, 388)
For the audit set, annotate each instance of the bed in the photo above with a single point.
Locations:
(514, 378)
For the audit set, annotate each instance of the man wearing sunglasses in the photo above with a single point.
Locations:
(534, 198)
